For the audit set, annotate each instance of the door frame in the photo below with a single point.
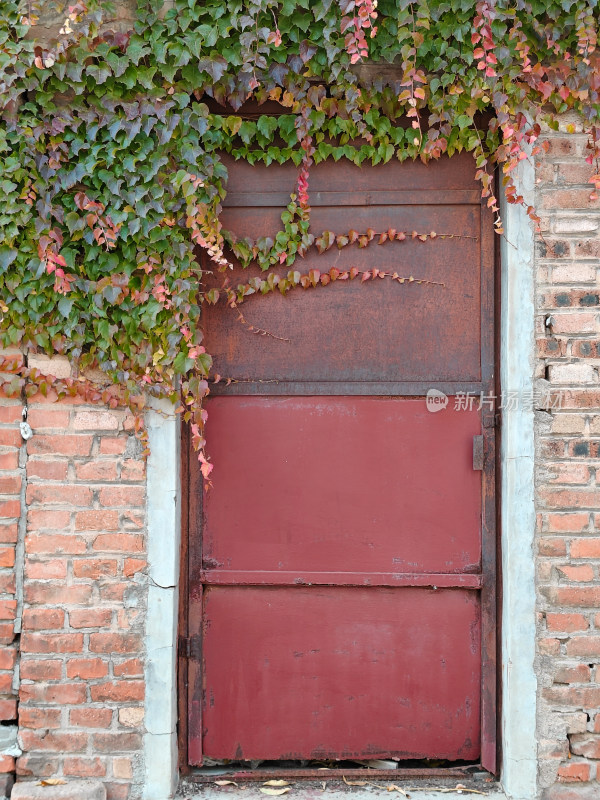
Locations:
(190, 624)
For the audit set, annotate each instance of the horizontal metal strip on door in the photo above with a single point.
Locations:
(449, 197)
(225, 577)
(266, 386)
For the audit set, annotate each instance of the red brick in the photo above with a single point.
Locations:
(95, 419)
(557, 146)
(40, 619)
(10, 509)
(112, 445)
(133, 667)
(54, 742)
(51, 642)
(53, 693)
(117, 692)
(582, 573)
(7, 556)
(127, 496)
(120, 542)
(133, 565)
(584, 646)
(584, 596)
(549, 646)
(117, 791)
(566, 622)
(8, 609)
(7, 763)
(40, 519)
(105, 470)
(39, 717)
(97, 520)
(7, 583)
(90, 617)
(8, 709)
(580, 673)
(91, 717)
(41, 669)
(567, 198)
(5, 683)
(48, 418)
(94, 568)
(84, 767)
(61, 444)
(580, 696)
(46, 569)
(54, 543)
(10, 414)
(569, 473)
(47, 470)
(8, 657)
(113, 592)
(9, 533)
(110, 643)
(133, 470)
(61, 495)
(10, 437)
(87, 668)
(117, 742)
(552, 547)
(570, 498)
(10, 484)
(586, 744)
(585, 548)
(39, 766)
(40, 593)
(574, 771)
(9, 460)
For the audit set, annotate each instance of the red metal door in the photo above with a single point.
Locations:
(341, 584)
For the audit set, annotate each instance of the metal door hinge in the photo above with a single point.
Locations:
(189, 647)
(478, 452)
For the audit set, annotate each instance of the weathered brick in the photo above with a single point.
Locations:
(87, 668)
(118, 692)
(84, 767)
(91, 717)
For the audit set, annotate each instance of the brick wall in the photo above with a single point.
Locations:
(82, 565)
(568, 458)
(12, 458)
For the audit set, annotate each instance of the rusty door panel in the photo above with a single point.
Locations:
(341, 672)
(439, 177)
(381, 331)
(393, 484)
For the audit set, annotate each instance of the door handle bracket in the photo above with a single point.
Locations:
(478, 452)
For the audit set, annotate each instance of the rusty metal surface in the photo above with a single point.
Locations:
(341, 672)
(348, 331)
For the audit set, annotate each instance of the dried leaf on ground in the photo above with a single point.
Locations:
(275, 791)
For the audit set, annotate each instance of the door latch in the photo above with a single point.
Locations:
(478, 452)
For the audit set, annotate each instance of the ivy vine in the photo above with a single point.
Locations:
(110, 155)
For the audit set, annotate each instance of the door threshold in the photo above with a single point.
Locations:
(211, 774)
